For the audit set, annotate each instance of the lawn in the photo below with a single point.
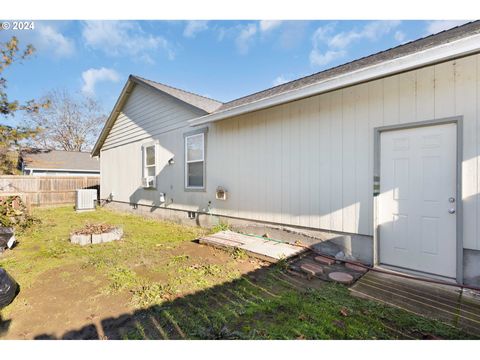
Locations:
(157, 283)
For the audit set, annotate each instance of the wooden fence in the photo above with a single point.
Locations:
(46, 190)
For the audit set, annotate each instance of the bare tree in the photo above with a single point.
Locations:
(70, 122)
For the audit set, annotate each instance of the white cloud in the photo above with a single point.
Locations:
(320, 59)
(268, 25)
(436, 26)
(57, 42)
(371, 31)
(328, 46)
(193, 27)
(92, 76)
(245, 37)
(124, 38)
(279, 80)
(399, 36)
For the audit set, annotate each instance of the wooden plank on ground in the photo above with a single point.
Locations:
(261, 248)
(442, 302)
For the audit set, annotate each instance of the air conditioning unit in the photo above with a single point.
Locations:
(85, 199)
(148, 182)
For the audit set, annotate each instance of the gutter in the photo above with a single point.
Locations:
(441, 53)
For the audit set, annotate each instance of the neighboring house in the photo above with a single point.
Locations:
(382, 151)
(39, 162)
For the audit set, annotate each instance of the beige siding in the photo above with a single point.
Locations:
(307, 163)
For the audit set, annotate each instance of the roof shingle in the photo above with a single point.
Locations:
(59, 159)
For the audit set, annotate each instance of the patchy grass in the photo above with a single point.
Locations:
(271, 306)
(221, 226)
(46, 246)
(156, 283)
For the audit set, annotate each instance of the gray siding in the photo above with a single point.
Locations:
(307, 163)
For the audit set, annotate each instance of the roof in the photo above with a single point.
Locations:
(202, 104)
(380, 57)
(459, 41)
(206, 104)
(447, 45)
(59, 160)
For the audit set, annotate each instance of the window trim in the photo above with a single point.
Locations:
(144, 162)
(186, 137)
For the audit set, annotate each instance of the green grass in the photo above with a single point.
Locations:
(189, 296)
(270, 309)
(46, 246)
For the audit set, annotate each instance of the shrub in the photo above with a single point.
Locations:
(14, 213)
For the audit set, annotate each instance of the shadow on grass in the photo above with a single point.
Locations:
(268, 303)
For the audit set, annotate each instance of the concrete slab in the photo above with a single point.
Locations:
(256, 246)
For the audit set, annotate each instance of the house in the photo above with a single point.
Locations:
(382, 152)
(40, 162)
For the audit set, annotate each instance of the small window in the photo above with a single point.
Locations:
(195, 161)
(149, 165)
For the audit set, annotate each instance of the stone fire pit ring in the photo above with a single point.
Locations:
(84, 238)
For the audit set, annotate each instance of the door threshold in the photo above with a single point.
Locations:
(415, 273)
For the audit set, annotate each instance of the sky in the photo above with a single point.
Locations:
(223, 60)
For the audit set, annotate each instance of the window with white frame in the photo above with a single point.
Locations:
(149, 165)
(195, 161)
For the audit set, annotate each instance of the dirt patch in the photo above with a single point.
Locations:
(62, 299)
(170, 258)
(71, 301)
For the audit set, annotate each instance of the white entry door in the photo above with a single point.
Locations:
(417, 202)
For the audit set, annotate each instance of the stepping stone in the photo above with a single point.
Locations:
(324, 260)
(311, 269)
(341, 277)
(356, 268)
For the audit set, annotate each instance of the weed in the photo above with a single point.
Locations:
(282, 264)
(177, 259)
(121, 279)
(221, 226)
(239, 254)
(136, 334)
(150, 294)
(203, 270)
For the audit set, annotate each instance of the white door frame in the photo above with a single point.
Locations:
(458, 121)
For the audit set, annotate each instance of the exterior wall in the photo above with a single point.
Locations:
(308, 163)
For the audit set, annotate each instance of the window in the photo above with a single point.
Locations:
(195, 161)
(149, 165)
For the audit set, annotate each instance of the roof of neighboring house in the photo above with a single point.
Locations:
(392, 53)
(59, 160)
(201, 102)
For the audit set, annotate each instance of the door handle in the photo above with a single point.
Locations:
(451, 211)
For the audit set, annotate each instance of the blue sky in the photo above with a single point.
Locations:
(219, 59)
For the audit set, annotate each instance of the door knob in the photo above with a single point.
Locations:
(452, 199)
(451, 211)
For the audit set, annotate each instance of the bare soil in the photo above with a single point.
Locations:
(65, 302)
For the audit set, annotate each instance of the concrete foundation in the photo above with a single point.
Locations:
(353, 246)
(471, 267)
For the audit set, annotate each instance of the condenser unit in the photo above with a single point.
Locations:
(85, 199)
